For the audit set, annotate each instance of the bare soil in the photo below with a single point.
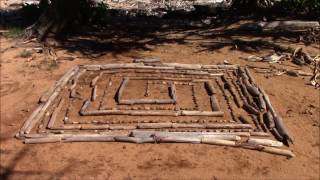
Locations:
(24, 80)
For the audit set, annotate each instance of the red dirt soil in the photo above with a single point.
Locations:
(24, 80)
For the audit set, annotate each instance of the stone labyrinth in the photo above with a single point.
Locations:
(152, 102)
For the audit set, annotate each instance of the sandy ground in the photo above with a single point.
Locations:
(23, 80)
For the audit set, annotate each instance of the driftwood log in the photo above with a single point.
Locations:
(146, 61)
(272, 150)
(146, 101)
(243, 119)
(121, 89)
(41, 112)
(206, 140)
(202, 113)
(59, 84)
(210, 88)
(134, 139)
(94, 93)
(42, 140)
(251, 79)
(277, 120)
(184, 134)
(55, 113)
(250, 109)
(265, 142)
(214, 103)
(163, 133)
(293, 25)
(231, 89)
(94, 80)
(89, 138)
(268, 120)
(178, 139)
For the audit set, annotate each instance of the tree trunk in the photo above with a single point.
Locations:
(54, 19)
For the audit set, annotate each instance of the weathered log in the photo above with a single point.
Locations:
(76, 78)
(41, 112)
(43, 135)
(268, 120)
(283, 152)
(263, 125)
(214, 134)
(128, 112)
(256, 122)
(55, 113)
(94, 93)
(111, 66)
(262, 134)
(175, 72)
(243, 120)
(122, 127)
(84, 107)
(229, 86)
(94, 127)
(65, 78)
(251, 79)
(242, 73)
(49, 139)
(261, 103)
(293, 25)
(135, 65)
(228, 126)
(154, 125)
(186, 135)
(267, 149)
(89, 138)
(276, 134)
(245, 92)
(234, 67)
(173, 92)
(94, 80)
(210, 88)
(134, 139)
(153, 113)
(73, 93)
(214, 103)
(207, 140)
(253, 90)
(179, 125)
(264, 142)
(162, 78)
(67, 127)
(151, 60)
(202, 113)
(146, 101)
(278, 121)
(178, 139)
(30, 119)
(92, 67)
(184, 66)
(121, 89)
(250, 109)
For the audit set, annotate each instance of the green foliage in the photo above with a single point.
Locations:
(48, 64)
(25, 54)
(13, 32)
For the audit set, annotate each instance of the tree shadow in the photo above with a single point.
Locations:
(124, 35)
(210, 32)
(6, 172)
